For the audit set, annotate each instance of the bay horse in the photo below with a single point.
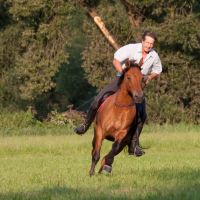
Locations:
(115, 118)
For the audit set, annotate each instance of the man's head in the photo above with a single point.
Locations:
(148, 40)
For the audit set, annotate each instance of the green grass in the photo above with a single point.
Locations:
(38, 131)
(56, 166)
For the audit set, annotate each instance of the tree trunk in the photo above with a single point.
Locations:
(106, 33)
(100, 24)
(135, 16)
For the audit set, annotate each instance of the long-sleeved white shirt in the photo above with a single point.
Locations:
(134, 52)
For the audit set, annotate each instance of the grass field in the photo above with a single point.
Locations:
(56, 166)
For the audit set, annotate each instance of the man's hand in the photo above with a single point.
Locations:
(147, 82)
(153, 75)
(145, 79)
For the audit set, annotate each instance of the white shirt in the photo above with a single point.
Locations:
(134, 51)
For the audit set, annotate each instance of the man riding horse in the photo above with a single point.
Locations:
(151, 62)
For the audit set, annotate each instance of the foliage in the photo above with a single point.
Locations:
(40, 65)
(98, 53)
(71, 117)
(13, 121)
(51, 52)
(71, 85)
(18, 120)
(32, 46)
(174, 97)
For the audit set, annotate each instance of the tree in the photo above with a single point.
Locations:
(33, 46)
(71, 85)
(173, 97)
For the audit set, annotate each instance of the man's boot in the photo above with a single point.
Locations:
(80, 130)
(133, 148)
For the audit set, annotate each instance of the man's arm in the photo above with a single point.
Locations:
(118, 65)
(156, 69)
(153, 75)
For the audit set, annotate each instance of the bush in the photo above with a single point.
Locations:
(24, 119)
(17, 120)
(71, 117)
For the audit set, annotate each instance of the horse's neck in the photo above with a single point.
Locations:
(124, 97)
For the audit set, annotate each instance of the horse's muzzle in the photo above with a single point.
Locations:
(138, 97)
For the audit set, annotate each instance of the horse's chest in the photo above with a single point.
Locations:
(121, 119)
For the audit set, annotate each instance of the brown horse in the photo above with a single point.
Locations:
(116, 116)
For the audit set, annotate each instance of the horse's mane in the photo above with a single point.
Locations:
(132, 64)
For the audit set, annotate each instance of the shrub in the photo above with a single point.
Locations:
(70, 117)
(17, 120)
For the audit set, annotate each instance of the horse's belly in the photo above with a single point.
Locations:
(110, 138)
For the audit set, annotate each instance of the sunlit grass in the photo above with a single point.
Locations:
(57, 167)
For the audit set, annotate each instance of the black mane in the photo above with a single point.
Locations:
(132, 64)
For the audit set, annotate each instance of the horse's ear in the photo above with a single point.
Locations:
(127, 63)
(141, 62)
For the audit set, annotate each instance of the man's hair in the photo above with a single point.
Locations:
(150, 34)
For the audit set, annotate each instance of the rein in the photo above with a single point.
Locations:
(144, 87)
(122, 105)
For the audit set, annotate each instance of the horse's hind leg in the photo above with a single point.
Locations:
(96, 143)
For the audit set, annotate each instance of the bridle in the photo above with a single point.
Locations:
(123, 105)
(126, 105)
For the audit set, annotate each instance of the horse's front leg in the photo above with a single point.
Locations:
(96, 143)
(123, 143)
(109, 159)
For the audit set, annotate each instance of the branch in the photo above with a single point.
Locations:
(100, 24)
(144, 10)
(183, 10)
(129, 12)
(88, 9)
(183, 5)
(106, 33)
(55, 4)
(133, 12)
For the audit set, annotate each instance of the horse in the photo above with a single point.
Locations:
(116, 116)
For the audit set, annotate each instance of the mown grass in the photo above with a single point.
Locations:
(56, 166)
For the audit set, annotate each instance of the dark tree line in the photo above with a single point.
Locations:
(54, 52)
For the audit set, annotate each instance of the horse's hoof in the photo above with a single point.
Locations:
(91, 173)
(100, 172)
(107, 168)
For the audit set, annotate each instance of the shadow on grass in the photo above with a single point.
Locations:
(185, 191)
(181, 193)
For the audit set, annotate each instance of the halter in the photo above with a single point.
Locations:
(122, 105)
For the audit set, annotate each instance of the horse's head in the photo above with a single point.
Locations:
(132, 80)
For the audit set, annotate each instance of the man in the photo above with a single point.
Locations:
(151, 62)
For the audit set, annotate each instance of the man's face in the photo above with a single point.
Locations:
(147, 44)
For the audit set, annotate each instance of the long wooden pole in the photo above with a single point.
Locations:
(100, 24)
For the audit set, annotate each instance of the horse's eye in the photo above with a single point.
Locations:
(128, 78)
